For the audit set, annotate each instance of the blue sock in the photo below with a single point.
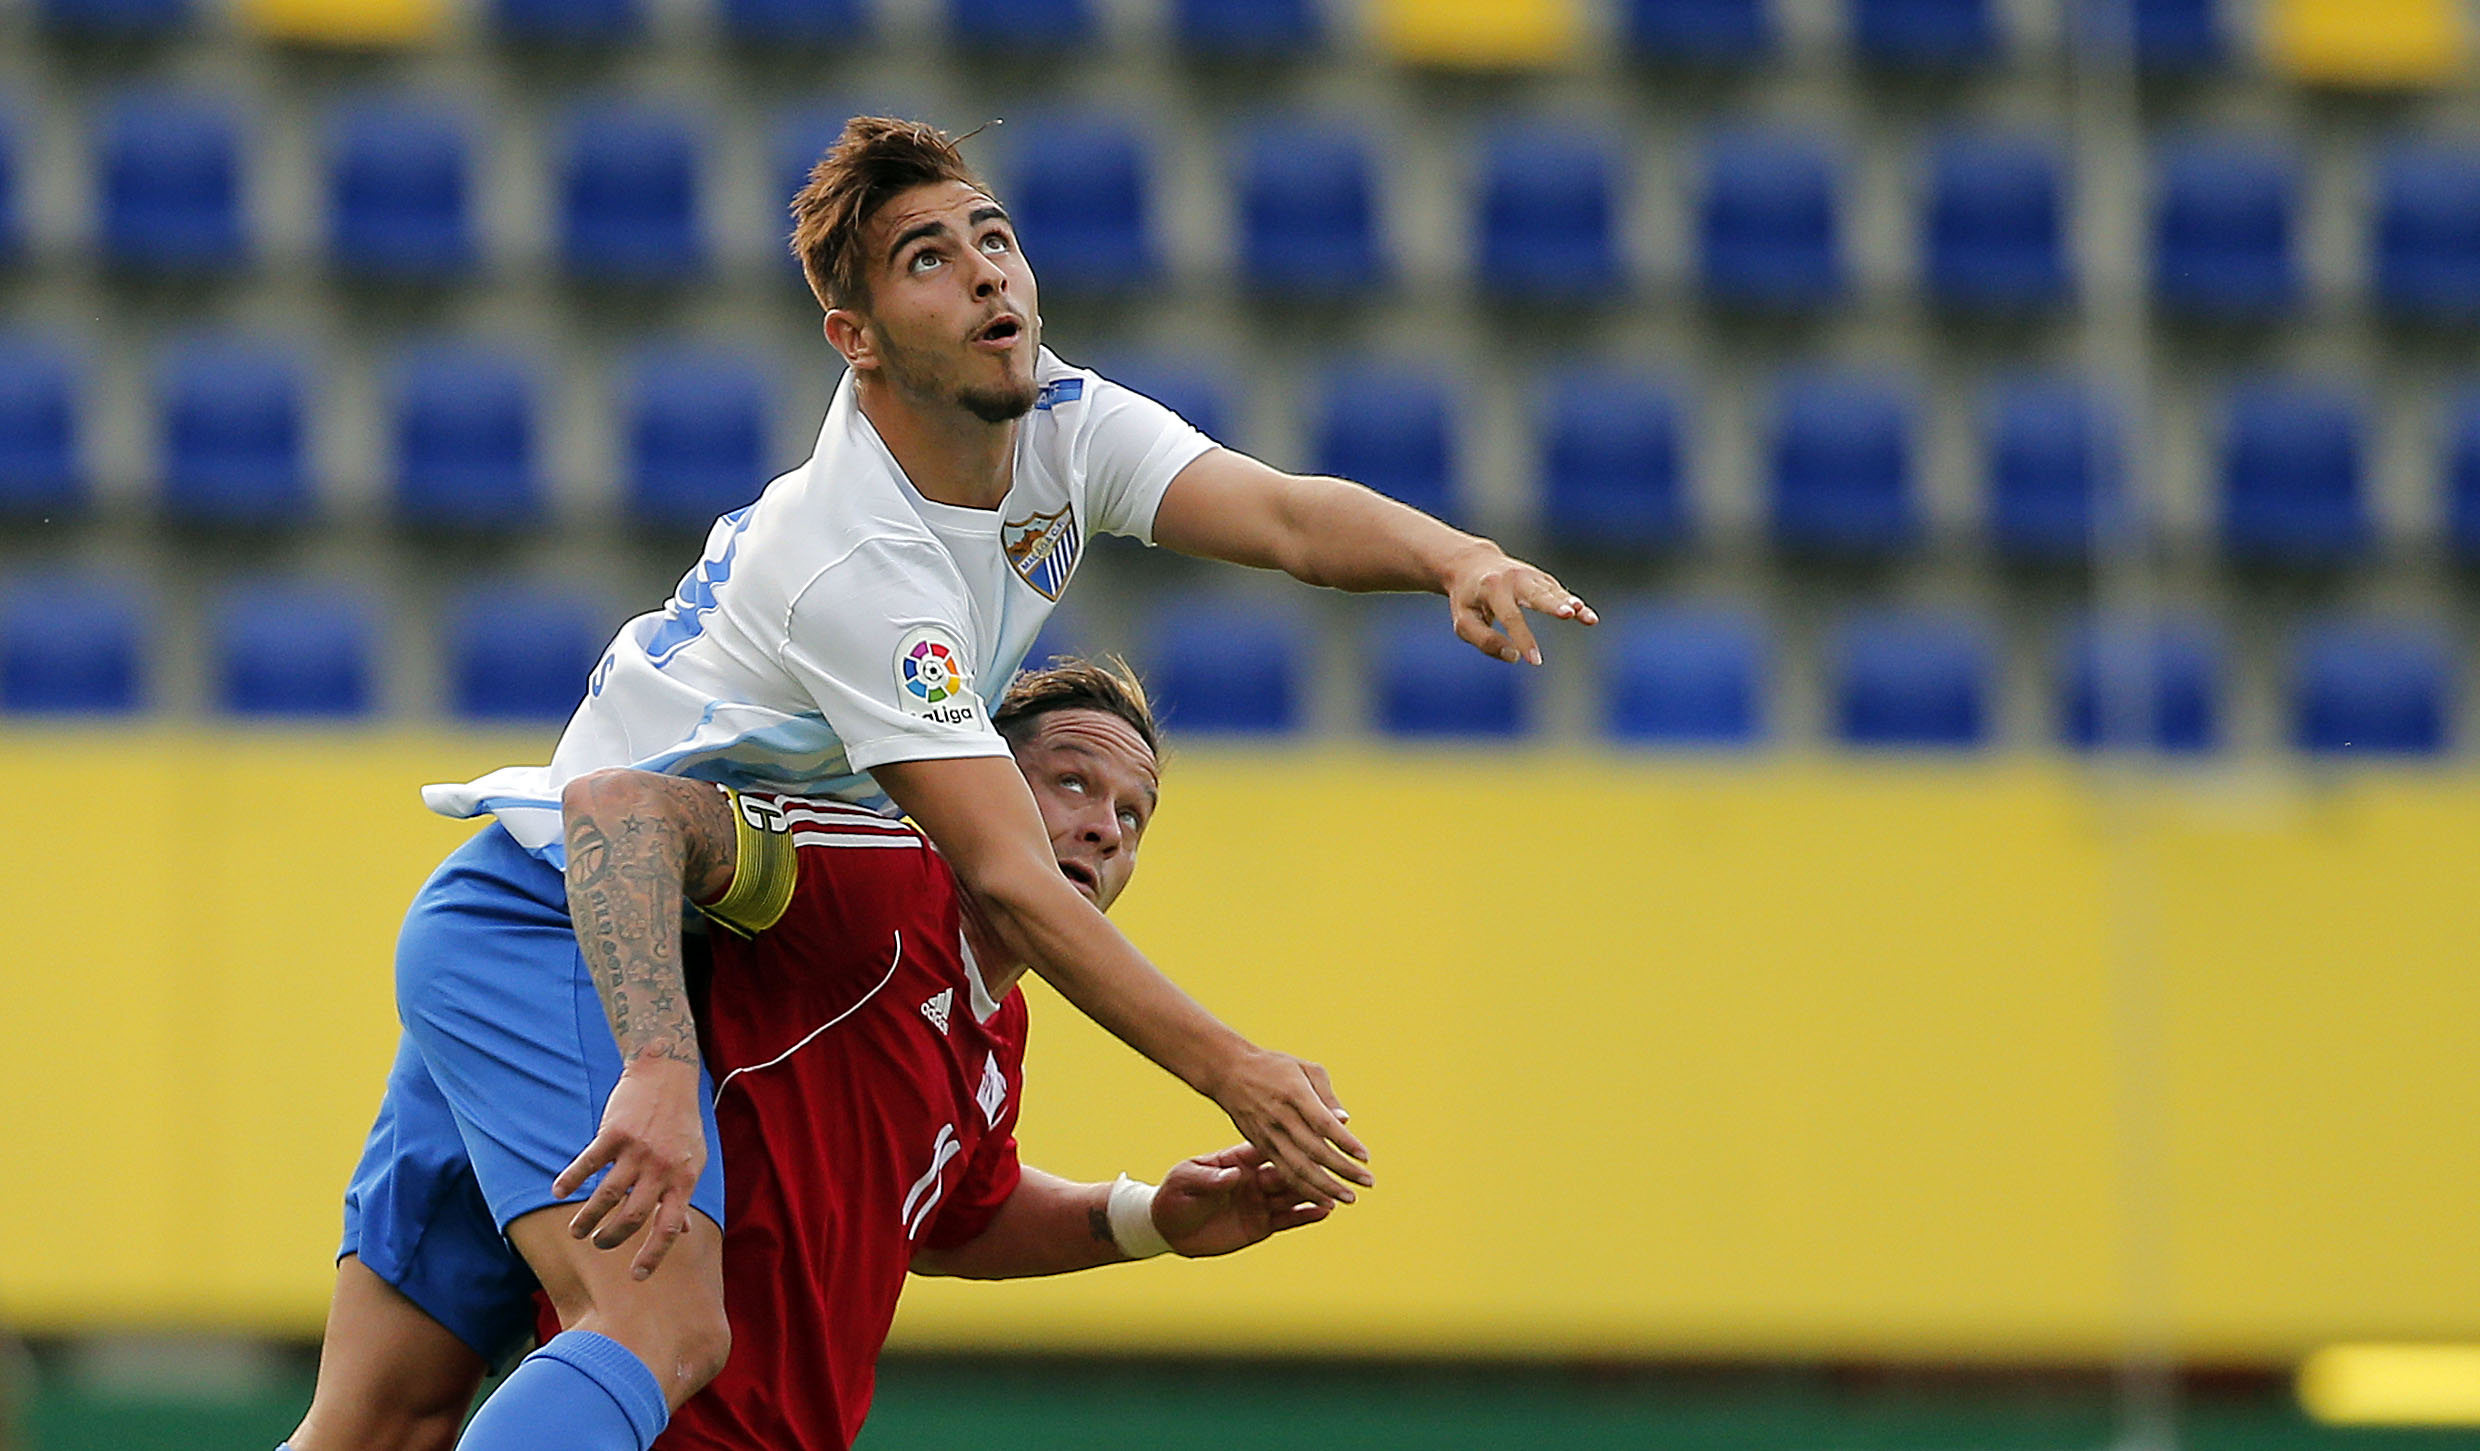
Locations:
(581, 1392)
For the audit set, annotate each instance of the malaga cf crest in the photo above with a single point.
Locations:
(1043, 549)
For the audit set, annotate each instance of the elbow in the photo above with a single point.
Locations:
(601, 790)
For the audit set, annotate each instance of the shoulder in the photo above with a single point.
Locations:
(888, 573)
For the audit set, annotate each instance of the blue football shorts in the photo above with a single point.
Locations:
(499, 1082)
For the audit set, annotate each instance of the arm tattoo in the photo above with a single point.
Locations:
(1098, 1220)
(624, 895)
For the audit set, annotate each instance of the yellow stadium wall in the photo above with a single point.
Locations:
(1783, 1058)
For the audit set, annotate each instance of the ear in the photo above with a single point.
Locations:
(848, 332)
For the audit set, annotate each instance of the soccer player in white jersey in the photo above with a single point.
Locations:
(835, 641)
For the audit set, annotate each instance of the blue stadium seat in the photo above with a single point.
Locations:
(1228, 665)
(1062, 634)
(2151, 685)
(1247, 29)
(399, 192)
(2462, 475)
(1995, 235)
(2291, 476)
(40, 401)
(2372, 687)
(1081, 194)
(1908, 679)
(1769, 224)
(1699, 32)
(1426, 683)
(802, 23)
(230, 416)
(1613, 475)
(2176, 35)
(117, 19)
(2055, 460)
(700, 432)
(1924, 34)
(516, 653)
(169, 186)
(1391, 429)
(285, 649)
(2224, 214)
(1194, 391)
(1685, 677)
(1052, 25)
(629, 178)
(465, 431)
(1840, 466)
(1308, 212)
(1549, 217)
(569, 23)
(2427, 234)
(70, 644)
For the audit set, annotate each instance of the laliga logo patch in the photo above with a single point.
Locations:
(1043, 549)
(933, 680)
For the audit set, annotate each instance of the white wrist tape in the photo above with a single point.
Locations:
(1132, 1220)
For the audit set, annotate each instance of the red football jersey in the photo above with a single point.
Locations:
(866, 1093)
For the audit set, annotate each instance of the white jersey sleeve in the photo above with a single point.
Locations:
(884, 645)
(1134, 447)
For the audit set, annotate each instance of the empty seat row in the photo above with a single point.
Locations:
(1669, 675)
(281, 648)
(1550, 208)
(1612, 452)
(1704, 677)
(465, 425)
(1915, 34)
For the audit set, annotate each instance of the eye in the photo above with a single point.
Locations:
(1072, 783)
(1130, 822)
(995, 242)
(923, 261)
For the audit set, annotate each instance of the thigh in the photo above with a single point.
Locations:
(499, 1003)
(673, 1320)
(391, 1378)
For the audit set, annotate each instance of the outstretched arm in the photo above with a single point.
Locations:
(1324, 531)
(1209, 1205)
(640, 848)
(979, 812)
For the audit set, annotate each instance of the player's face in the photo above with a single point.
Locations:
(951, 316)
(1094, 779)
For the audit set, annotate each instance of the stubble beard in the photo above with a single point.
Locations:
(917, 378)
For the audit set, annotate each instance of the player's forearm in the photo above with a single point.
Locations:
(1049, 1226)
(1041, 918)
(1349, 537)
(632, 841)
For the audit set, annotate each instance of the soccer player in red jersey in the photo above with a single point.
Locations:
(867, 1041)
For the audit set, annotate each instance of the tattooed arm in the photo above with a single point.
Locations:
(641, 847)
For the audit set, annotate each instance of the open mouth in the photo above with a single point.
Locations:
(1001, 330)
(1082, 875)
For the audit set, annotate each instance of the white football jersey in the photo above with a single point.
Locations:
(844, 621)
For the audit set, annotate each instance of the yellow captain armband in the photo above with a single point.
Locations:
(763, 869)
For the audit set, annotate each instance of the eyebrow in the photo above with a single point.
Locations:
(1153, 790)
(988, 211)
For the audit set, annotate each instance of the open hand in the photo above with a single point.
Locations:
(1216, 1203)
(1286, 1108)
(1488, 588)
(654, 1138)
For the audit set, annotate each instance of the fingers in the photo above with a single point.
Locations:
(669, 1224)
(1510, 617)
(1543, 594)
(1472, 626)
(603, 1150)
(1293, 1216)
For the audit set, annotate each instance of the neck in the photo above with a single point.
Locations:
(1000, 968)
(950, 456)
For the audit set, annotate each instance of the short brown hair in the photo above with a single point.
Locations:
(875, 159)
(1072, 683)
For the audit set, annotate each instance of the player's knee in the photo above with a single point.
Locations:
(705, 1344)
